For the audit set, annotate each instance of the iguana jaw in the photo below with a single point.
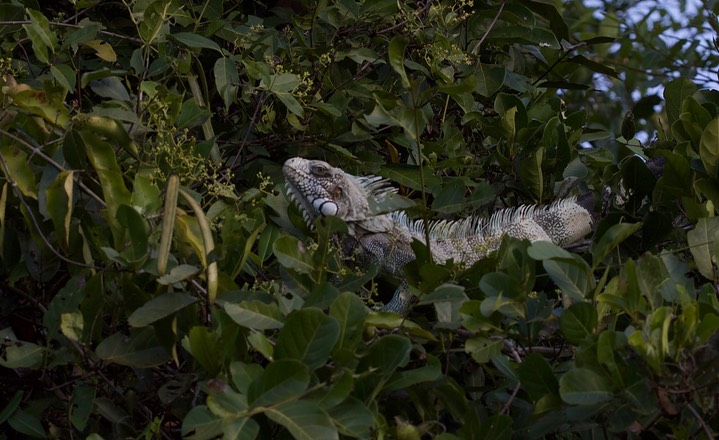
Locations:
(308, 185)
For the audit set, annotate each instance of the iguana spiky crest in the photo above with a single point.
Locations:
(322, 190)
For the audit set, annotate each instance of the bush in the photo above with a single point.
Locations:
(155, 282)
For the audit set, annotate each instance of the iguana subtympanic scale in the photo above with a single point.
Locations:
(319, 189)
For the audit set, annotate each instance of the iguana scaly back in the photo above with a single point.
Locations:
(319, 189)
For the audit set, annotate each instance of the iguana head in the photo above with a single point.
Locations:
(322, 190)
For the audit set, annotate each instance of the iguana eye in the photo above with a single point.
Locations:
(320, 171)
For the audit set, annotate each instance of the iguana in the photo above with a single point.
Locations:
(319, 189)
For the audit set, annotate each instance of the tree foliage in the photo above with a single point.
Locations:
(155, 283)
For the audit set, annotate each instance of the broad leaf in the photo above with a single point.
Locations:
(709, 147)
(582, 386)
(141, 349)
(308, 335)
(304, 420)
(578, 321)
(160, 307)
(282, 380)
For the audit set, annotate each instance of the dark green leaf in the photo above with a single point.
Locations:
(141, 349)
(191, 115)
(28, 424)
(160, 307)
(578, 321)
(282, 380)
(396, 58)
(537, 377)
(611, 239)
(582, 386)
(254, 314)
(709, 147)
(304, 420)
(702, 241)
(308, 335)
(387, 354)
(196, 41)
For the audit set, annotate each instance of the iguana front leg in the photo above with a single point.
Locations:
(391, 254)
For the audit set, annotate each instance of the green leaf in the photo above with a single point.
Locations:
(59, 203)
(530, 172)
(10, 13)
(674, 94)
(709, 147)
(11, 406)
(408, 378)
(141, 349)
(28, 424)
(582, 386)
(594, 66)
(537, 377)
(86, 33)
(243, 428)
(196, 41)
(308, 335)
(254, 314)
(292, 104)
(483, 349)
(160, 307)
(103, 159)
(64, 75)
(282, 83)
(445, 293)
(73, 149)
(191, 115)
(573, 276)
(41, 37)
(353, 418)
(611, 239)
(244, 374)
(20, 354)
(201, 424)
(136, 227)
(702, 245)
(387, 354)
(19, 168)
(204, 346)
(81, 404)
(292, 254)
(110, 87)
(396, 58)
(350, 312)
(304, 420)
(178, 273)
(490, 79)
(410, 176)
(497, 427)
(282, 380)
(578, 321)
(226, 80)
(450, 198)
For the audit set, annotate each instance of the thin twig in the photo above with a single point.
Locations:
(515, 354)
(489, 29)
(48, 159)
(74, 26)
(702, 423)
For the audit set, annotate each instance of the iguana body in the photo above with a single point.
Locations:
(322, 190)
